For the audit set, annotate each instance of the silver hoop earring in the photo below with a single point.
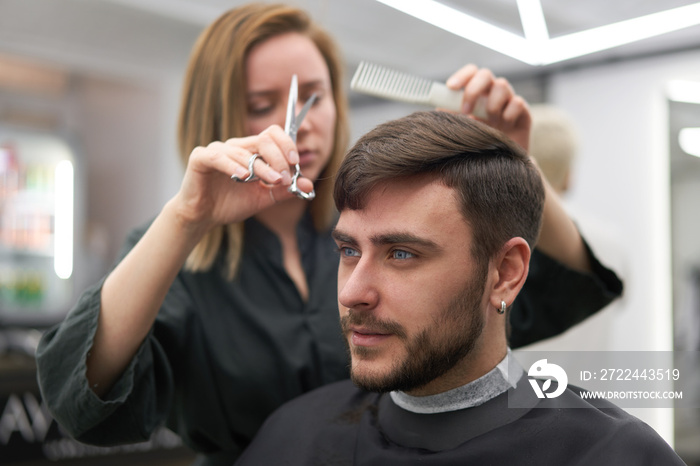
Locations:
(502, 310)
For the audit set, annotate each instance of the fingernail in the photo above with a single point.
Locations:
(452, 82)
(293, 157)
(241, 174)
(276, 177)
(286, 178)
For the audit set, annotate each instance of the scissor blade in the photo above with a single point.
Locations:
(304, 110)
(291, 106)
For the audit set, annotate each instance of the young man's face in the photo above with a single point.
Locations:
(411, 296)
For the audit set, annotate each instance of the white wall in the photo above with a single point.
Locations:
(126, 133)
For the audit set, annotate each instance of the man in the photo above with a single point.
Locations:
(438, 214)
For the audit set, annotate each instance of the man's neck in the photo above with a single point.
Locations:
(502, 377)
(470, 368)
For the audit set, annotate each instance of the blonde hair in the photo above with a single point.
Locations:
(553, 144)
(214, 107)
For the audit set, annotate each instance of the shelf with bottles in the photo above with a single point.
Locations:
(22, 287)
(31, 290)
(27, 202)
(36, 226)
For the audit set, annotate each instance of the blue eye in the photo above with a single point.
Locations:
(402, 255)
(349, 252)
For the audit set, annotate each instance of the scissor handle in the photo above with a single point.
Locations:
(251, 170)
(294, 188)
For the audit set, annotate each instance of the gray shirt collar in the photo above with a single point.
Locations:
(502, 377)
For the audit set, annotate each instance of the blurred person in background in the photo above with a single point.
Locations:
(224, 306)
(554, 145)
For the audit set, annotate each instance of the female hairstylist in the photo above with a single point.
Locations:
(225, 306)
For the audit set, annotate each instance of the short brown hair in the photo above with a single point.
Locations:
(214, 104)
(499, 189)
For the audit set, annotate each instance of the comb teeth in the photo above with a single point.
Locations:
(384, 82)
(380, 81)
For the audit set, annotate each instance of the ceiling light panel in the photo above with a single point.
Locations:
(536, 47)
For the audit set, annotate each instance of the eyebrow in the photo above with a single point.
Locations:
(341, 237)
(311, 85)
(303, 87)
(388, 238)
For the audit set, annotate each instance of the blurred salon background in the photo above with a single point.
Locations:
(89, 96)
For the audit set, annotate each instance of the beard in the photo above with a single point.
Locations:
(450, 338)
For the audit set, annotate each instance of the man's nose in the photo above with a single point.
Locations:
(359, 288)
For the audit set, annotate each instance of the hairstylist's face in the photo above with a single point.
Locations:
(269, 67)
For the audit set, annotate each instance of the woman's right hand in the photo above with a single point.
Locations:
(134, 291)
(209, 196)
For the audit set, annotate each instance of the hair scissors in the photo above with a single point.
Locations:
(291, 127)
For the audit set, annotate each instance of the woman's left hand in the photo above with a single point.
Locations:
(503, 108)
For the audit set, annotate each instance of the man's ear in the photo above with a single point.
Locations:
(509, 269)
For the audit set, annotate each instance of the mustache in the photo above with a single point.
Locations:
(370, 322)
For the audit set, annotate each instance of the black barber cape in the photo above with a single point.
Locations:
(342, 425)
